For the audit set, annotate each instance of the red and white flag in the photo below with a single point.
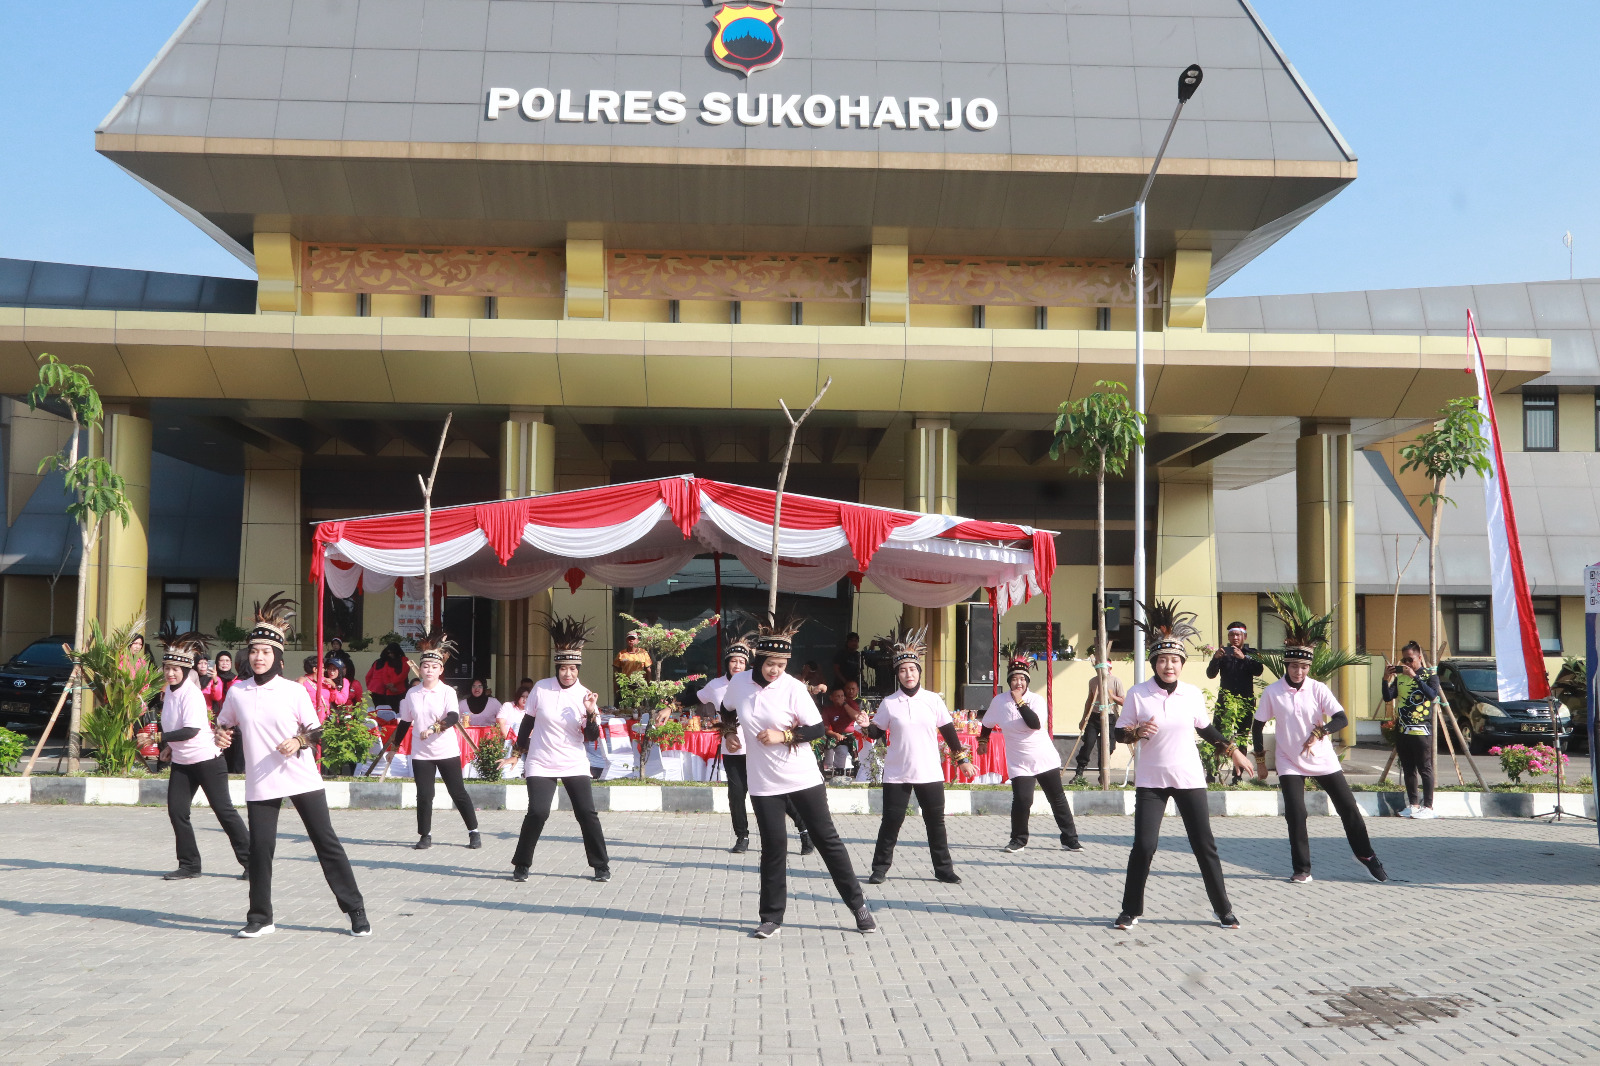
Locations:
(1519, 658)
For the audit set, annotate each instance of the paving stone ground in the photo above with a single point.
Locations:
(1489, 952)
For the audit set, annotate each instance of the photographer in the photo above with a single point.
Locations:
(1414, 688)
(1237, 663)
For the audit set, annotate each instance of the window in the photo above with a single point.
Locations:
(1269, 627)
(1597, 419)
(180, 605)
(1466, 625)
(1119, 625)
(1547, 616)
(1538, 420)
(1102, 318)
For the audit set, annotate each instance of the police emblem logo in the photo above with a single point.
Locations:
(746, 37)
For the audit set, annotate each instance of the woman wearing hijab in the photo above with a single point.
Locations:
(197, 762)
(1031, 756)
(479, 709)
(274, 720)
(387, 680)
(431, 707)
(216, 692)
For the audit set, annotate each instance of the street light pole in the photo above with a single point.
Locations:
(1188, 82)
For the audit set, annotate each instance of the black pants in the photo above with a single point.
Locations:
(313, 810)
(1150, 805)
(1416, 762)
(450, 770)
(896, 797)
(1022, 806)
(1089, 747)
(210, 777)
(733, 767)
(1293, 788)
(580, 793)
(812, 806)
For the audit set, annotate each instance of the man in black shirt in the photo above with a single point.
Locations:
(847, 662)
(1239, 667)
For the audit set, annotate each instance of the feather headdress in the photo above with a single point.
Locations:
(568, 635)
(741, 646)
(182, 649)
(776, 635)
(910, 645)
(1169, 629)
(435, 645)
(1303, 628)
(1021, 662)
(272, 621)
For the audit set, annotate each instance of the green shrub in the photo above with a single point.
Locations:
(229, 633)
(668, 732)
(10, 750)
(1229, 712)
(346, 737)
(491, 749)
(123, 685)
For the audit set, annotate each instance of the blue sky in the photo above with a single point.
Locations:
(1476, 124)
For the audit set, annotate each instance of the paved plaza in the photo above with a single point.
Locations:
(1486, 953)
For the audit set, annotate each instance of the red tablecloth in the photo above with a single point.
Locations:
(476, 733)
(992, 762)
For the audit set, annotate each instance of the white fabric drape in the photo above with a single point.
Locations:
(598, 540)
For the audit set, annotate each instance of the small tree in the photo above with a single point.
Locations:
(97, 492)
(637, 692)
(123, 685)
(1451, 449)
(1102, 429)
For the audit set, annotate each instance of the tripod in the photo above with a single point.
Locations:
(1559, 812)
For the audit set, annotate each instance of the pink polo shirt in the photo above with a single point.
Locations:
(1171, 758)
(1297, 714)
(556, 747)
(423, 709)
(1029, 752)
(181, 708)
(266, 716)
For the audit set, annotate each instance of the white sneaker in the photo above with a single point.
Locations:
(1409, 812)
(255, 929)
(1424, 812)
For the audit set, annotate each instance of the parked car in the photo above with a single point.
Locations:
(32, 681)
(1472, 691)
(1571, 687)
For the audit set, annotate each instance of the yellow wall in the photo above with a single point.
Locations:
(1575, 421)
(25, 610)
(388, 305)
(1186, 551)
(270, 536)
(832, 313)
(460, 307)
(712, 312)
(1011, 317)
(544, 308)
(641, 311)
(766, 312)
(346, 304)
(946, 316)
(1072, 318)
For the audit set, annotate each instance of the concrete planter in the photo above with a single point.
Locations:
(709, 799)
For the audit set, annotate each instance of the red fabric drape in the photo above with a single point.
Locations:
(716, 573)
(1049, 656)
(574, 578)
(867, 528)
(604, 506)
(503, 524)
(1044, 557)
(683, 500)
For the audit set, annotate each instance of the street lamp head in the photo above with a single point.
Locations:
(1189, 81)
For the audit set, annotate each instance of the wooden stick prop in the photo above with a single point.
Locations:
(60, 702)
(777, 500)
(427, 525)
(1394, 630)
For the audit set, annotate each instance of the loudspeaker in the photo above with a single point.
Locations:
(977, 645)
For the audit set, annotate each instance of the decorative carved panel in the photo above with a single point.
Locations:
(1029, 282)
(735, 276)
(432, 271)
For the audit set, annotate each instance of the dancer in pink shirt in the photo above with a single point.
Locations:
(197, 762)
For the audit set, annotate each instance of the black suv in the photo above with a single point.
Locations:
(1471, 689)
(32, 681)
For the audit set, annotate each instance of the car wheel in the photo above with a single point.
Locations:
(1478, 744)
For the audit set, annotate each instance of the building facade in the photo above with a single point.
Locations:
(608, 238)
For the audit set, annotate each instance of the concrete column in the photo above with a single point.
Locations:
(1351, 687)
(527, 468)
(1186, 546)
(125, 550)
(271, 537)
(889, 282)
(277, 273)
(930, 485)
(586, 278)
(1325, 515)
(1313, 519)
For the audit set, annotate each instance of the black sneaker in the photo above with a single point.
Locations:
(1015, 846)
(244, 875)
(424, 844)
(255, 929)
(1127, 921)
(1228, 921)
(767, 930)
(806, 847)
(359, 926)
(602, 876)
(519, 873)
(180, 875)
(1375, 868)
(951, 878)
(878, 877)
(865, 922)
(740, 846)
(474, 839)
(1071, 845)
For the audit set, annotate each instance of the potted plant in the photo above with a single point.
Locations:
(346, 738)
(650, 693)
(491, 750)
(122, 685)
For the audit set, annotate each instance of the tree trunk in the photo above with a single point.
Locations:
(75, 718)
(1433, 603)
(1100, 650)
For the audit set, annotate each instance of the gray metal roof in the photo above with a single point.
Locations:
(1073, 78)
(1567, 313)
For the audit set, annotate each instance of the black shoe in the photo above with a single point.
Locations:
(806, 847)
(767, 930)
(878, 877)
(951, 878)
(1127, 921)
(740, 846)
(602, 876)
(519, 873)
(1015, 846)
(424, 844)
(1375, 868)
(1228, 921)
(244, 875)
(180, 875)
(359, 926)
(865, 922)
(1071, 845)
(474, 840)
(255, 929)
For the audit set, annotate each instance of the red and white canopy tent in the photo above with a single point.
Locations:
(642, 532)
